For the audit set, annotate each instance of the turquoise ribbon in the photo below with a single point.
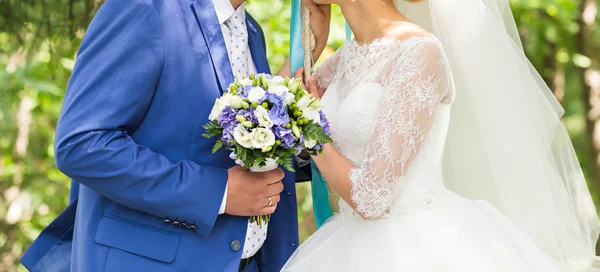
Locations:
(321, 208)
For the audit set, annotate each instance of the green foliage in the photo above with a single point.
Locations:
(256, 157)
(212, 129)
(314, 132)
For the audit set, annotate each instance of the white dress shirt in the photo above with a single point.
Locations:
(255, 235)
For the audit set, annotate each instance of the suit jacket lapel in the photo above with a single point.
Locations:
(206, 18)
(257, 47)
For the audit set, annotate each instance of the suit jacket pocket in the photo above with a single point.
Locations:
(138, 239)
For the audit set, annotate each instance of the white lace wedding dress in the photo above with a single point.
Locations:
(388, 103)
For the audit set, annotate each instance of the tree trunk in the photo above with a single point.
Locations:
(590, 81)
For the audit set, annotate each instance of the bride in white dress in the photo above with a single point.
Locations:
(411, 113)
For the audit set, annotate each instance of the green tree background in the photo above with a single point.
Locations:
(38, 44)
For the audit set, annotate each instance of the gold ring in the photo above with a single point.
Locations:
(270, 202)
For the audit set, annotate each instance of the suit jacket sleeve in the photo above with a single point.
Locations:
(113, 82)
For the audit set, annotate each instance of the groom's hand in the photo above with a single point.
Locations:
(248, 193)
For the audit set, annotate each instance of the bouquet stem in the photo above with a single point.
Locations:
(262, 219)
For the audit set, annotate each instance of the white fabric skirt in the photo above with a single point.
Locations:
(462, 237)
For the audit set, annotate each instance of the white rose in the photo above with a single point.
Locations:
(312, 114)
(304, 102)
(245, 82)
(239, 162)
(288, 99)
(263, 117)
(256, 94)
(262, 137)
(310, 144)
(242, 136)
(226, 99)
(235, 102)
(216, 110)
(278, 90)
(275, 81)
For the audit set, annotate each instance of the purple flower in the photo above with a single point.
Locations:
(228, 135)
(324, 123)
(285, 136)
(249, 115)
(244, 93)
(279, 115)
(227, 118)
(273, 98)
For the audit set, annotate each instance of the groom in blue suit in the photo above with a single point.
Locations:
(147, 194)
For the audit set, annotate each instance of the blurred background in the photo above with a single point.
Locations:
(38, 44)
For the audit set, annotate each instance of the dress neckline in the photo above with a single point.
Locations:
(382, 44)
(387, 40)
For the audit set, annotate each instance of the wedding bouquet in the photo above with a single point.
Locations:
(265, 120)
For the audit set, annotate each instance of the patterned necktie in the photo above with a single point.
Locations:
(238, 49)
(239, 54)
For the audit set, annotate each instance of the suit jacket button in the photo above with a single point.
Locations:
(193, 227)
(167, 221)
(235, 245)
(175, 223)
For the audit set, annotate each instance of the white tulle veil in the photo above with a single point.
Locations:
(506, 143)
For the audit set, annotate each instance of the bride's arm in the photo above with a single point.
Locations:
(404, 118)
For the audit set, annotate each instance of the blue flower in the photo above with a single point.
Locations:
(279, 115)
(273, 98)
(228, 135)
(285, 136)
(227, 120)
(324, 123)
(227, 117)
(249, 115)
(244, 93)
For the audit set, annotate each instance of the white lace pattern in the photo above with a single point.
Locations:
(392, 124)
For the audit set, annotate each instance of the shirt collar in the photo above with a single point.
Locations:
(224, 10)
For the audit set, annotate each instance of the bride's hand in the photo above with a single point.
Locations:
(320, 17)
(313, 87)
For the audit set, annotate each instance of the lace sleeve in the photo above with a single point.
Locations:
(326, 71)
(415, 88)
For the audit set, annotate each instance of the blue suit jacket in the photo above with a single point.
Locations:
(130, 137)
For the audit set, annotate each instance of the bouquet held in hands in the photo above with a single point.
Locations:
(265, 120)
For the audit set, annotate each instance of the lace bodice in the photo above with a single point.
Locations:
(388, 103)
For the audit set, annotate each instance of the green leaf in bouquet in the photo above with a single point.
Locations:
(217, 146)
(244, 154)
(212, 129)
(260, 161)
(312, 131)
(286, 162)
